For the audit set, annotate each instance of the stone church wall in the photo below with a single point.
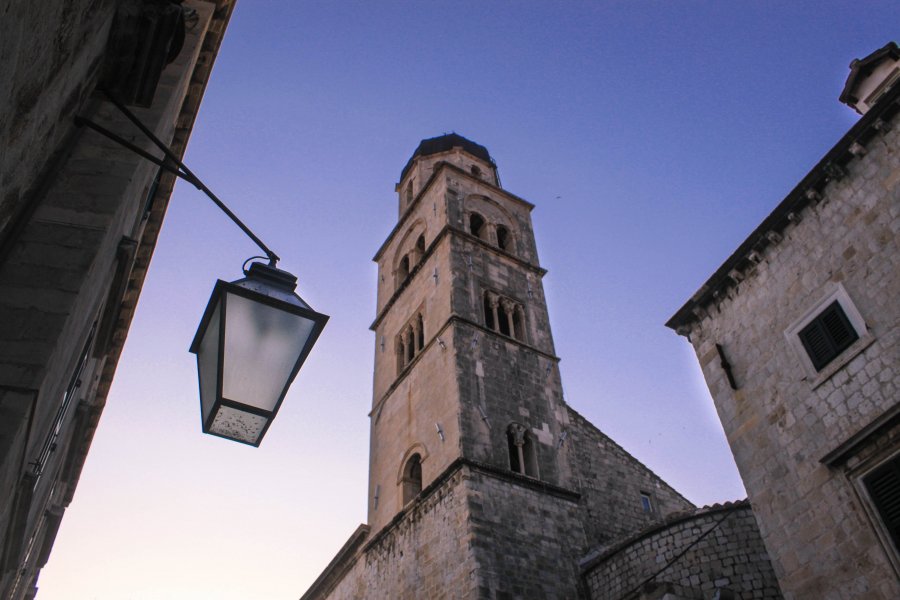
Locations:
(611, 482)
(691, 555)
(527, 540)
(425, 552)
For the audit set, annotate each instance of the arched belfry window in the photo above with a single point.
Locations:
(522, 450)
(410, 344)
(477, 226)
(489, 319)
(504, 240)
(505, 316)
(403, 270)
(410, 341)
(401, 354)
(420, 248)
(420, 333)
(412, 478)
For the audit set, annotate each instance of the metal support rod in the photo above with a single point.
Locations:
(83, 122)
(170, 158)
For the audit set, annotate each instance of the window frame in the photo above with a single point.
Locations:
(857, 476)
(835, 293)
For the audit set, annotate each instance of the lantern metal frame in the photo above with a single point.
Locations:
(219, 299)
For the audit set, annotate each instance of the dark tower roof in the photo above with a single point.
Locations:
(443, 143)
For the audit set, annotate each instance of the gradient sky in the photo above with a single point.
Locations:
(652, 136)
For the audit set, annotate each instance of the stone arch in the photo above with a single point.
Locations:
(407, 254)
(478, 225)
(496, 216)
(409, 475)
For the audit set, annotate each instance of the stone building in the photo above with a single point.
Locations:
(79, 218)
(483, 482)
(798, 336)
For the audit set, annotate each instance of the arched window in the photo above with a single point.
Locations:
(412, 478)
(489, 320)
(420, 247)
(410, 342)
(409, 193)
(403, 270)
(518, 319)
(503, 317)
(503, 238)
(420, 333)
(410, 345)
(522, 450)
(401, 354)
(477, 226)
(475, 171)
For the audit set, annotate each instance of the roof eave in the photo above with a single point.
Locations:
(800, 197)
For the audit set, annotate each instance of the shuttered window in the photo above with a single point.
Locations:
(884, 489)
(826, 336)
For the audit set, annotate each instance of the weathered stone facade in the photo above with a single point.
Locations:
(691, 555)
(79, 218)
(805, 435)
(483, 483)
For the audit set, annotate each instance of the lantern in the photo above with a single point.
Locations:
(253, 338)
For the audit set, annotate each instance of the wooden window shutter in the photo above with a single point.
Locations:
(884, 488)
(826, 336)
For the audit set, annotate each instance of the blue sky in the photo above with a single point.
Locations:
(652, 137)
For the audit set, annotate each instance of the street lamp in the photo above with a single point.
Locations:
(253, 338)
(255, 333)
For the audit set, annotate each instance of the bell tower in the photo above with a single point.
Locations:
(464, 361)
(483, 482)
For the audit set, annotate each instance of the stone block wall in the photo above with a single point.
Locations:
(502, 382)
(526, 539)
(785, 420)
(611, 482)
(425, 552)
(475, 533)
(50, 59)
(691, 555)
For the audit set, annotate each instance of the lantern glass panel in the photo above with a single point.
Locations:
(262, 345)
(208, 363)
(237, 424)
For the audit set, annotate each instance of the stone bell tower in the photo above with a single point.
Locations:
(464, 361)
(483, 483)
